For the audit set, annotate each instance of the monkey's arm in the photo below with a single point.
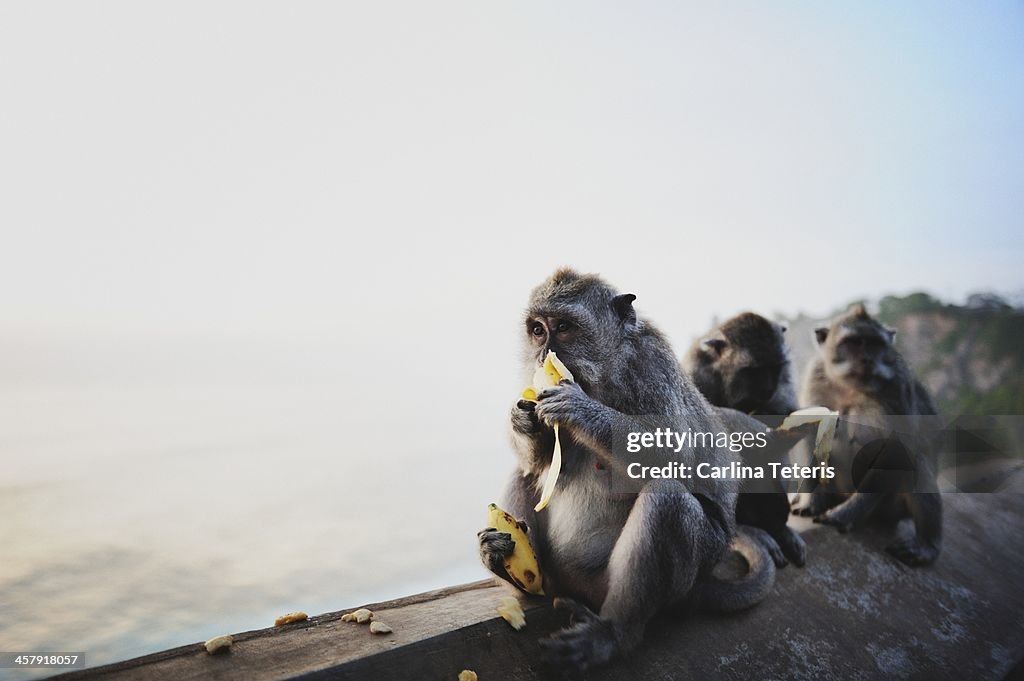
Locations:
(594, 424)
(923, 401)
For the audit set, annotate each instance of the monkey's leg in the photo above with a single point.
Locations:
(923, 548)
(769, 512)
(774, 508)
(666, 540)
(851, 512)
(888, 472)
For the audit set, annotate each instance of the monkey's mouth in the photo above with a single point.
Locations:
(861, 371)
(578, 375)
(862, 376)
(854, 369)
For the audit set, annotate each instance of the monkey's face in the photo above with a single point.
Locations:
(751, 387)
(749, 353)
(859, 354)
(571, 338)
(582, 319)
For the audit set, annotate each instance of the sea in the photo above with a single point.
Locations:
(137, 516)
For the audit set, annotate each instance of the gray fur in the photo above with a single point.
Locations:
(744, 364)
(860, 374)
(614, 558)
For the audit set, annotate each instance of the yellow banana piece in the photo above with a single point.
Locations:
(522, 565)
(549, 375)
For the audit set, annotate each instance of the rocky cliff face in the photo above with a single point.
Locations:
(970, 357)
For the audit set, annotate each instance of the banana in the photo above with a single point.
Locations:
(549, 375)
(512, 612)
(826, 419)
(521, 565)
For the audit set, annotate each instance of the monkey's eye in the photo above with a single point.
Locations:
(562, 327)
(537, 329)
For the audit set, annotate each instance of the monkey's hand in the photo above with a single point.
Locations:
(533, 441)
(835, 518)
(524, 418)
(567, 405)
(495, 547)
(851, 512)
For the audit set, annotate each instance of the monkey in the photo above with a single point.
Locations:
(611, 554)
(859, 373)
(744, 364)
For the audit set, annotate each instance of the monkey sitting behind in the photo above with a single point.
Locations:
(743, 364)
(614, 557)
(861, 375)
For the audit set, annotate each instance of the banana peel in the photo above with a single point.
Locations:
(826, 418)
(548, 375)
(522, 565)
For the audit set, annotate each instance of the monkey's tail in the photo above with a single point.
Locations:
(732, 595)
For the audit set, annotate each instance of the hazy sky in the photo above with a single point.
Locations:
(397, 171)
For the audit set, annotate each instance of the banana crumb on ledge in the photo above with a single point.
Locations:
(291, 618)
(219, 644)
(467, 675)
(377, 627)
(512, 612)
(360, 616)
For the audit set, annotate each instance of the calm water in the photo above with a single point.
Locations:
(135, 519)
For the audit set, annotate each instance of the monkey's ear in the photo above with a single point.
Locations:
(714, 344)
(623, 306)
(820, 334)
(890, 333)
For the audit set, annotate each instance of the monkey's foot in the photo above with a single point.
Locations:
(494, 548)
(774, 550)
(793, 546)
(829, 518)
(588, 642)
(914, 552)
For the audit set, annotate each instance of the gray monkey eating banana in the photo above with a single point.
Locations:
(614, 558)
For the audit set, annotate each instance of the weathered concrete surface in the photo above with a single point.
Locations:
(852, 613)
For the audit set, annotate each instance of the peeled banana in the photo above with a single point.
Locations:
(549, 375)
(522, 565)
